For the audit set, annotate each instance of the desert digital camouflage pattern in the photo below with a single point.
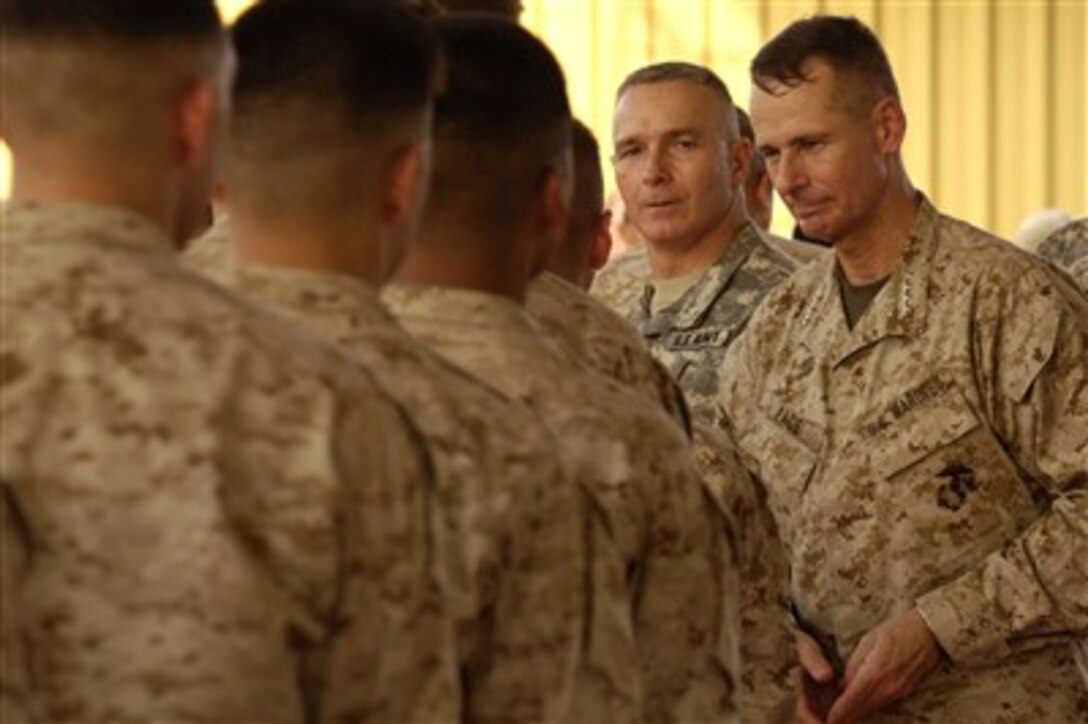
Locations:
(514, 553)
(604, 341)
(207, 517)
(211, 253)
(691, 335)
(934, 456)
(1068, 245)
(767, 648)
(660, 600)
(608, 345)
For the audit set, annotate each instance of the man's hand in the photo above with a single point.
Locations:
(888, 664)
(817, 685)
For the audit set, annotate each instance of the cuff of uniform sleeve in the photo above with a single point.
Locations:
(957, 616)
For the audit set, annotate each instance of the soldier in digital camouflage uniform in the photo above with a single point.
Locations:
(660, 645)
(206, 516)
(1079, 272)
(557, 297)
(1066, 246)
(915, 407)
(605, 342)
(681, 165)
(513, 552)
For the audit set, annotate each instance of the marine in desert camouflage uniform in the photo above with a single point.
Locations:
(924, 450)
(607, 344)
(206, 516)
(512, 538)
(661, 642)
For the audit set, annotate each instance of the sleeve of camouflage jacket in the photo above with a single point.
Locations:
(537, 617)
(1031, 347)
(347, 532)
(687, 613)
(15, 552)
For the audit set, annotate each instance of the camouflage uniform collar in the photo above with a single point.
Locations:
(553, 284)
(460, 306)
(692, 308)
(899, 310)
(40, 222)
(324, 294)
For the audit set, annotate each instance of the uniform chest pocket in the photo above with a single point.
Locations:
(944, 491)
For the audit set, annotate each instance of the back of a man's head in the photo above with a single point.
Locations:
(80, 71)
(846, 44)
(587, 243)
(681, 72)
(758, 190)
(324, 90)
(116, 102)
(503, 122)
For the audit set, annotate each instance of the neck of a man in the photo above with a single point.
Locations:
(673, 259)
(457, 255)
(309, 245)
(138, 189)
(871, 252)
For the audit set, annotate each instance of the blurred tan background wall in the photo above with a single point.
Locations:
(996, 91)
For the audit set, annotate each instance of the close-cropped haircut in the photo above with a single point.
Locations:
(111, 20)
(99, 73)
(504, 117)
(502, 84)
(672, 71)
(588, 180)
(758, 166)
(321, 85)
(363, 59)
(845, 43)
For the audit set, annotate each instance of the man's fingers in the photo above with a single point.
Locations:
(812, 659)
(861, 653)
(855, 701)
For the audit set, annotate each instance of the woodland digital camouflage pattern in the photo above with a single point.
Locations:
(1079, 272)
(1068, 245)
(935, 455)
(691, 335)
(622, 281)
(206, 516)
(659, 596)
(604, 341)
(514, 554)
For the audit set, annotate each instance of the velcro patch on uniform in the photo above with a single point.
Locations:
(706, 337)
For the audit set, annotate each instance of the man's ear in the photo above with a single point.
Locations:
(890, 124)
(195, 111)
(740, 159)
(600, 244)
(550, 215)
(402, 181)
(553, 203)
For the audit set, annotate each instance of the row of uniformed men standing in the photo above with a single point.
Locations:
(471, 495)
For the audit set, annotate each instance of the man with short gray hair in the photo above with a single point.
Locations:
(680, 166)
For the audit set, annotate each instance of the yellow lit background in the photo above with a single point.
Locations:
(996, 91)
